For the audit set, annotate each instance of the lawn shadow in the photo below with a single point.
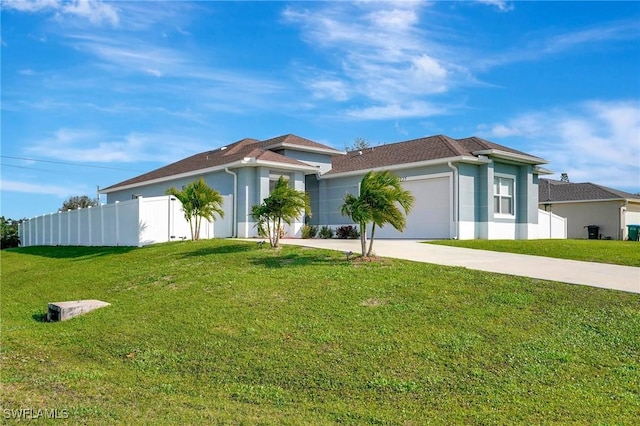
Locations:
(222, 249)
(317, 257)
(72, 252)
(39, 317)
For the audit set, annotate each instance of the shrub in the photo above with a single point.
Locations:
(326, 232)
(309, 231)
(347, 232)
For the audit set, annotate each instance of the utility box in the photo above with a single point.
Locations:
(62, 311)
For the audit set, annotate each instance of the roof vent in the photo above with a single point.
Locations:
(223, 148)
(360, 152)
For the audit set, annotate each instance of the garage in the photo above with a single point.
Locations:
(431, 216)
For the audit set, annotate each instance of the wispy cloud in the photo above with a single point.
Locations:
(541, 47)
(93, 146)
(40, 188)
(94, 11)
(595, 141)
(501, 5)
(383, 55)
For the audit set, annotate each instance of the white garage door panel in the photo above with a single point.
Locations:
(431, 213)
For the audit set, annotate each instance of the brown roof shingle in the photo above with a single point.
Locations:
(555, 191)
(226, 155)
(417, 150)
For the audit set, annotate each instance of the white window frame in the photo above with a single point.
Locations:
(499, 178)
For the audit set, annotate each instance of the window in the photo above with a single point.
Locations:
(503, 196)
(273, 179)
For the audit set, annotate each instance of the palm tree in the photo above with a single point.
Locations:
(199, 201)
(285, 204)
(380, 201)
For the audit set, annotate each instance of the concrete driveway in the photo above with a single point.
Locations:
(623, 278)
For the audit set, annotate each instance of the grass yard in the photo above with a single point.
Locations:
(600, 251)
(222, 332)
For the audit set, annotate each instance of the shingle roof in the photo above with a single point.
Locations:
(288, 140)
(417, 150)
(556, 191)
(226, 155)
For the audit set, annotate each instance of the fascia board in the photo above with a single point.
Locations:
(403, 166)
(172, 177)
(284, 166)
(305, 148)
(582, 201)
(542, 171)
(511, 156)
(236, 164)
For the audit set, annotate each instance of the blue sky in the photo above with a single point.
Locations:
(97, 92)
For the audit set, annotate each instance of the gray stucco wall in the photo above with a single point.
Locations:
(321, 161)
(220, 181)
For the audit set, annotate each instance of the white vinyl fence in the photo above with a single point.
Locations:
(137, 222)
(551, 225)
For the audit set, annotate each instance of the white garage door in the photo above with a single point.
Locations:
(431, 216)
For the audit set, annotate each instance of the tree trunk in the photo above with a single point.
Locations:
(191, 228)
(277, 233)
(373, 231)
(363, 238)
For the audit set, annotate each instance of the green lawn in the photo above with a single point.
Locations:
(601, 251)
(221, 332)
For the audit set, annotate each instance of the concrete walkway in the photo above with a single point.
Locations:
(624, 278)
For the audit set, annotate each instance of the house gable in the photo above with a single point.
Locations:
(243, 153)
(428, 150)
(555, 191)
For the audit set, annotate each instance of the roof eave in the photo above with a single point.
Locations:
(459, 159)
(505, 155)
(305, 148)
(245, 162)
(542, 171)
(597, 200)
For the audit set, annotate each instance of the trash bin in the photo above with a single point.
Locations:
(593, 231)
(634, 232)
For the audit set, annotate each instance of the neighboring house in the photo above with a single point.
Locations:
(464, 188)
(585, 204)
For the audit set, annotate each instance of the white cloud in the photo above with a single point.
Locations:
(30, 5)
(39, 188)
(383, 53)
(597, 141)
(501, 5)
(92, 146)
(94, 11)
(408, 110)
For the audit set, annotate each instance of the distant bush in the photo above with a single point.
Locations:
(326, 232)
(347, 232)
(9, 233)
(309, 231)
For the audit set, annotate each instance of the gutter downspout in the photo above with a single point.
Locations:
(621, 217)
(234, 218)
(456, 204)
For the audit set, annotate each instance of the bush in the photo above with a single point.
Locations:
(9, 233)
(326, 232)
(347, 232)
(309, 231)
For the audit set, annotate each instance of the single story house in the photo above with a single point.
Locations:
(585, 204)
(464, 188)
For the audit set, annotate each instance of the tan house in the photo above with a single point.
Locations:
(588, 204)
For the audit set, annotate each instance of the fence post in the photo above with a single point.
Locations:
(102, 225)
(117, 223)
(89, 222)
